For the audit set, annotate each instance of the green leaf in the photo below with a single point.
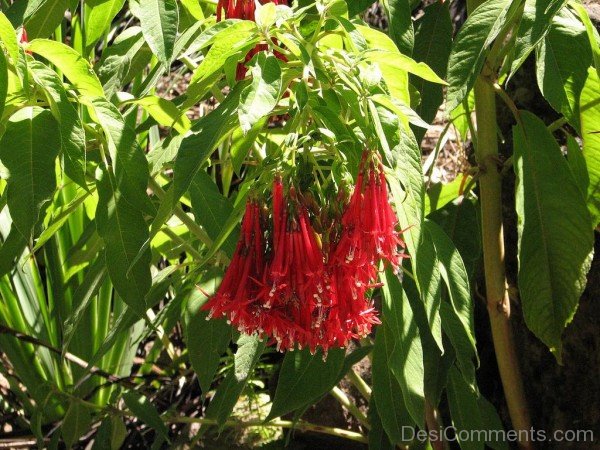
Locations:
(407, 189)
(387, 393)
(400, 24)
(143, 409)
(123, 60)
(429, 282)
(460, 221)
(119, 215)
(492, 422)
(99, 15)
(72, 64)
(211, 209)
(28, 149)
(464, 408)
(433, 43)
(562, 65)
(305, 377)
(535, 23)
(164, 112)
(3, 81)
(554, 248)
(471, 47)
(398, 61)
(250, 348)
(590, 132)
(206, 340)
(578, 166)
(592, 33)
(454, 274)
(206, 133)
(159, 20)
(261, 96)
(378, 439)
(406, 357)
(71, 128)
(227, 42)
(40, 17)
(76, 422)
(8, 36)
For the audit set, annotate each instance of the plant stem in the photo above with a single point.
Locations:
(300, 425)
(360, 384)
(341, 397)
(498, 302)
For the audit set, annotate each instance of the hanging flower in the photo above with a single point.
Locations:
(369, 224)
(282, 284)
(245, 10)
(237, 297)
(296, 286)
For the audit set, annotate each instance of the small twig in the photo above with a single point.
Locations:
(68, 356)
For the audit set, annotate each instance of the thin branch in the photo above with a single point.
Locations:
(68, 356)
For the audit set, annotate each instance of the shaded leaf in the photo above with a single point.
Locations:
(554, 248)
(304, 377)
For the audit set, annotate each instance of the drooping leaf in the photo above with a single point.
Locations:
(554, 248)
(142, 408)
(590, 132)
(28, 149)
(8, 36)
(562, 65)
(76, 422)
(592, 32)
(98, 18)
(462, 322)
(304, 378)
(400, 24)
(387, 393)
(429, 282)
(164, 112)
(471, 47)
(378, 439)
(206, 340)
(464, 408)
(3, 81)
(535, 23)
(71, 127)
(250, 348)
(206, 133)
(119, 215)
(159, 20)
(40, 17)
(261, 96)
(433, 43)
(72, 64)
(211, 209)
(406, 357)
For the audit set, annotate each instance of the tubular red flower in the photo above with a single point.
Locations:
(237, 297)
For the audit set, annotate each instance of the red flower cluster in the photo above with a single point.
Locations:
(245, 9)
(283, 285)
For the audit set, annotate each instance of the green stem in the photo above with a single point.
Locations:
(300, 425)
(498, 303)
(343, 399)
